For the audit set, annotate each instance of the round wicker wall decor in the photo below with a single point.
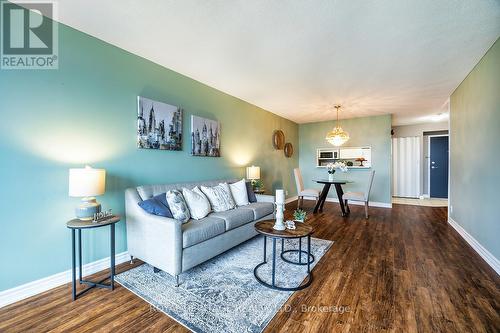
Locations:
(288, 149)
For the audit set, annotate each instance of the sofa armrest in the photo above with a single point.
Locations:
(154, 239)
(265, 198)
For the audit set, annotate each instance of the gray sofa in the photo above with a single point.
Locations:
(173, 247)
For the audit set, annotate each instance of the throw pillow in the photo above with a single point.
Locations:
(197, 202)
(239, 192)
(178, 206)
(251, 193)
(230, 198)
(157, 205)
(219, 197)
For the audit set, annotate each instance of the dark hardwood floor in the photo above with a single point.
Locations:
(403, 270)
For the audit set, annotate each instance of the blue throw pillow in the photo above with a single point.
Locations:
(157, 205)
(250, 193)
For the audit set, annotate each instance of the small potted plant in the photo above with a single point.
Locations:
(299, 215)
(258, 185)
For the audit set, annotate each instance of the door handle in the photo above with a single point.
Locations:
(434, 167)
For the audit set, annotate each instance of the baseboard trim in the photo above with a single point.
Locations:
(370, 203)
(29, 289)
(490, 259)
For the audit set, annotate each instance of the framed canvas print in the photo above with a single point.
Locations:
(159, 125)
(205, 137)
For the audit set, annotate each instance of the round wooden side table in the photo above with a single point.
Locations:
(302, 230)
(79, 225)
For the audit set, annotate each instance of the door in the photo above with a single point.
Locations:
(439, 166)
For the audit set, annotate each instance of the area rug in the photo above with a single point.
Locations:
(222, 295)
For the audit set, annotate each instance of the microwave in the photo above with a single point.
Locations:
(329, 154)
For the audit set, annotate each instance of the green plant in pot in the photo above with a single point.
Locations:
(299, 215)
(258, 185)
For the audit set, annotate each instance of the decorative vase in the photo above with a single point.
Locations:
(279, 223)
(330, 176)
(280, 207)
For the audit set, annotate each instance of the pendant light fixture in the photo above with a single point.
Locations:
(337, 136)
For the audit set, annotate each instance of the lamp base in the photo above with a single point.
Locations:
(88, 207)
(279, 225)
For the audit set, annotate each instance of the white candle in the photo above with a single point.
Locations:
(280, 196)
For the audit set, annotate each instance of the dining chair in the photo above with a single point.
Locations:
(360, 196)
(301, 192)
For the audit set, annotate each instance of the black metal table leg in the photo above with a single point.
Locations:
(282, 245)
(274, 263)
(309, 252)
(112, 277)
(73, 264)
(80, 255)
(265, 246)
(340, 193)
(300, 250)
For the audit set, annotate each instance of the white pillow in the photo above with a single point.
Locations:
(220, 197)
(178, 206)
(197, 202)
(239, 192)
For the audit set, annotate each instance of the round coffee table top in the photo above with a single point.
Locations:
(266, 228)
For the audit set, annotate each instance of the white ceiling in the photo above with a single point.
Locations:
(297, 58)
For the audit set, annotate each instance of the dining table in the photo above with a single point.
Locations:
(327, 183)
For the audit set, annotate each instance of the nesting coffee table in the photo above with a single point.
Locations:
(302, 231)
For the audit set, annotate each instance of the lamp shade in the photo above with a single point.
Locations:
(253, 172)
(86, 182)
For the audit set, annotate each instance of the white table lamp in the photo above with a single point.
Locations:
(253, 172)
(87, 183)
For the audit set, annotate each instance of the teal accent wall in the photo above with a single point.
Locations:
(366, 131)
(85, 113)
(475, 152)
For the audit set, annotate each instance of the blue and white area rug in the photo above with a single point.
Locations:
(222, 295)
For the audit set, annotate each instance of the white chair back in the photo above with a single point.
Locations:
(369, 187)
(298, 180)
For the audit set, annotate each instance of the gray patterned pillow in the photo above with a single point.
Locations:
(178, 206)
(220, 197)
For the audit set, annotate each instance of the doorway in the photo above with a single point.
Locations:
(438, 166)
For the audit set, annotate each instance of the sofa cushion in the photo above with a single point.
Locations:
(178, 206)
(260, 209)
(220, 197)
(157, 205)
(197, 231)
(235, 217)
(250, 192)
(197, 202)
(239, 192)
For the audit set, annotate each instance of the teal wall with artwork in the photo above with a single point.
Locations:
(474, 152)
(367, 131)
(85, 113)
